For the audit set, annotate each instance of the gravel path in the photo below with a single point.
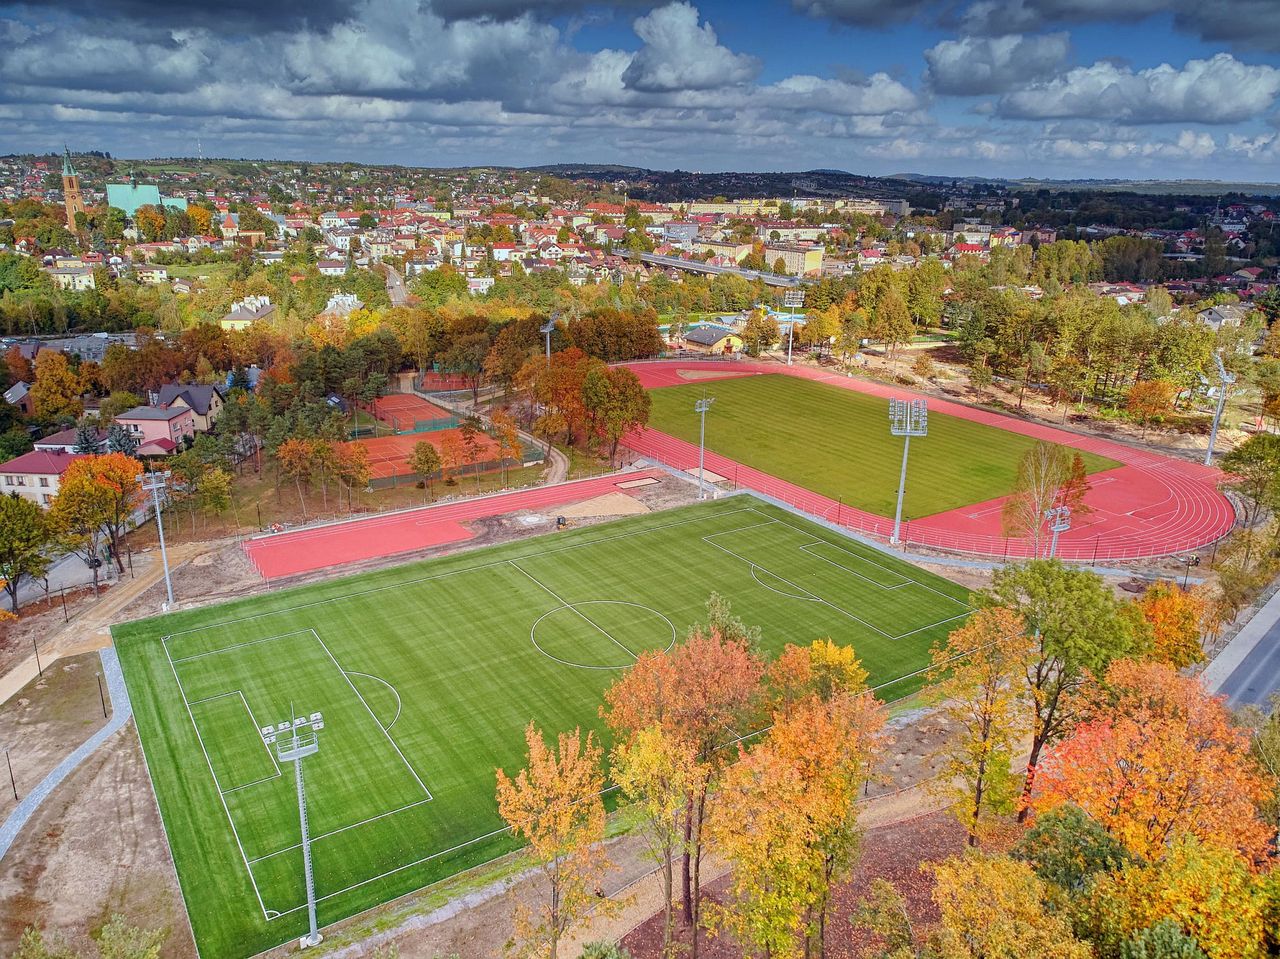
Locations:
(121, 711)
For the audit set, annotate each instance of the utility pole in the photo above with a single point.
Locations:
(294, 741)
(907, 418)
(1225, 379)
(701, 408)
(1059, 520)
(153, 484)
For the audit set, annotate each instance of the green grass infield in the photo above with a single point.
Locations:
(837, 442)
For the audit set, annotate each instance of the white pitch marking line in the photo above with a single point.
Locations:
(394, 692)
(827, 602)
(216, 785)
(808, 599)
(783, 579)
(823, 542)
(394, 744)
(904, 575)
(227, 649)
(575, 609)
(341, 829)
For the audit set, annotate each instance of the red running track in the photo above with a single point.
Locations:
(276, 555)
(1152, 506)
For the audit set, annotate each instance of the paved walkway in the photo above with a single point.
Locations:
(91, 629)
(121, 710)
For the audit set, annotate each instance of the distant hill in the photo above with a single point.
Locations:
(1148, 187)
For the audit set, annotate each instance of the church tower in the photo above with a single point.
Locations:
(71, 190)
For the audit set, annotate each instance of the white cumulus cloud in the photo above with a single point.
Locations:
(681, 54)
(972, 66)
(1220, 89)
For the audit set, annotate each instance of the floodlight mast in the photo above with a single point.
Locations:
(1059, 520)
(294, 741)
(1225, 379)
(153, 484)
(907, 418)
(546, 330)
(701, 408)
(792, 299)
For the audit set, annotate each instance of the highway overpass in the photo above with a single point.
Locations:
(693, 266)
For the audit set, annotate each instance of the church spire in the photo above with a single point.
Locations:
(72, 198)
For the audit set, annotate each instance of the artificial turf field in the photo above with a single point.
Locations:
(837, 442)
(426, 676)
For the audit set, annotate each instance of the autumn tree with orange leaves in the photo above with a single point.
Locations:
(822, 669)
(1175, 616)
(351, 466)
(704, 692)
(118, 479)
(1158, 759)
(296, 459)
(979, 671)
(554, 803)
(786, 820)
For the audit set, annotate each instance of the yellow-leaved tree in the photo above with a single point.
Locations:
(1176, 617)
(555, 804)
(786, 821)
(1207, 891)
(658, 771)
(992, 907)
(979, 672)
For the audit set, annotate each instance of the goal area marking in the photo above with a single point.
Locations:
(268, 913)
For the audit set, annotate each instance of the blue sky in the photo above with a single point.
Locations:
(1065, 88)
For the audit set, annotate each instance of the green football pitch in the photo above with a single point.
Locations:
(837, 442)
(426, 676)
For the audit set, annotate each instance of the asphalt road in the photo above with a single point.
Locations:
(395, 288)
(1258, 675)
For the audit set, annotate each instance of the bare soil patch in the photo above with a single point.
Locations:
(40, 618)
(48, 719)
(610, 504)
(95, 847)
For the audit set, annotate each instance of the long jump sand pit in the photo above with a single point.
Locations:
(610, 504)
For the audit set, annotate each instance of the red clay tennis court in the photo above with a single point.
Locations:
(1153, 505)
(401, 410)
(277, 555)
(389, 455)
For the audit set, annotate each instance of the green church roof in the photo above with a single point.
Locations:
(130, 196)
